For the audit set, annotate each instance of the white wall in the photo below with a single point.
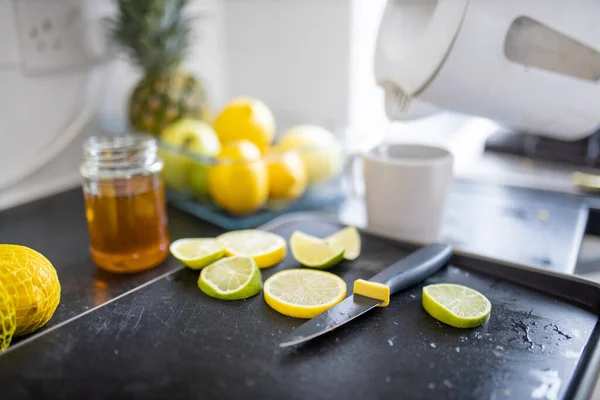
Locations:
(310, 61)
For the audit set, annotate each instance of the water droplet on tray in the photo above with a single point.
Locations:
(549, 386)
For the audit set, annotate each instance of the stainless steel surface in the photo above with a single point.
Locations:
(345, 311)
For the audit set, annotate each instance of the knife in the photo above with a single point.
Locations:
(375, 292)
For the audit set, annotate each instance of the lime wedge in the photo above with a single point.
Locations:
(266, 248)
(313, 252)
(349, 239)
(303, 293)
(456, 305)
(197, 253)
(232, 278)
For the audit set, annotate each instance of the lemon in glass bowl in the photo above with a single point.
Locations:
(238, 181)
(318, 148)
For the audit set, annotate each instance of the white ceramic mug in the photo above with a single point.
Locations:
(406, 187)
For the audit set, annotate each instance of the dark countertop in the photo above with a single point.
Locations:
(56, 227)
(492, 220)
(168, 340)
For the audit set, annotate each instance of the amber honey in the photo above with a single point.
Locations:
(125, 204)
(127, 224)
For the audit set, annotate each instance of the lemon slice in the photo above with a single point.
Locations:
(303, 293)
(456, 305)
(232, 278)
(314, 252)
(197, 253)
(349, 239)
(266, 248)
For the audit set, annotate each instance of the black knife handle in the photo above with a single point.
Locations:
(414, 268)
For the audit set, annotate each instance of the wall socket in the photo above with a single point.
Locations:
(52, 35)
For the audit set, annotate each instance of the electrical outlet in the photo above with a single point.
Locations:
(9, 47)
(52, 35)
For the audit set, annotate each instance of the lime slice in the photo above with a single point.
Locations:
(303, 293)
(197, 253)
(456, 305)
(266, 248)
(313, 252)
(349, 239)
(232, 278)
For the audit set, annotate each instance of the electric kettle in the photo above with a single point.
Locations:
(532, 66)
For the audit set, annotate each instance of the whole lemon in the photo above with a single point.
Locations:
(245, 118)
(8, 318)
(319, 150)
(287, 174)
(239, 182)
(31, 281)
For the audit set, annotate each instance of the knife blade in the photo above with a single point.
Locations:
(399, 276)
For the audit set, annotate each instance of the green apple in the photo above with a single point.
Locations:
(181, 171)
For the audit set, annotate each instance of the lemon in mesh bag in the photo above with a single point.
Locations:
(8, 318)
(32, 284)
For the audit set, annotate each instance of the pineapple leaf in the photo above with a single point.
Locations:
(153, 34)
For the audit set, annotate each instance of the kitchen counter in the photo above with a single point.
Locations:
(166, 339)
(515, 224)
(56, 227)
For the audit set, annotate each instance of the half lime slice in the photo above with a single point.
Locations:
(266, 248)
(314, 252)
(197, 253)
(232, 278)
(456, 305)
(349, 239)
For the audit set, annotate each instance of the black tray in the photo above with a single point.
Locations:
(168, 340)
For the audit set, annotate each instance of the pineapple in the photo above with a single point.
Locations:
(154, 34)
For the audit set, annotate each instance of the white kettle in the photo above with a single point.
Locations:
(533, 66)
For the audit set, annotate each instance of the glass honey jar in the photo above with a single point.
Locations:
(125, 203)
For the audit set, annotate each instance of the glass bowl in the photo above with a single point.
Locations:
(186, 175)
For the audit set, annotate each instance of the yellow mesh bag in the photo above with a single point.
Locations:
(8, 318)
(31, 281)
